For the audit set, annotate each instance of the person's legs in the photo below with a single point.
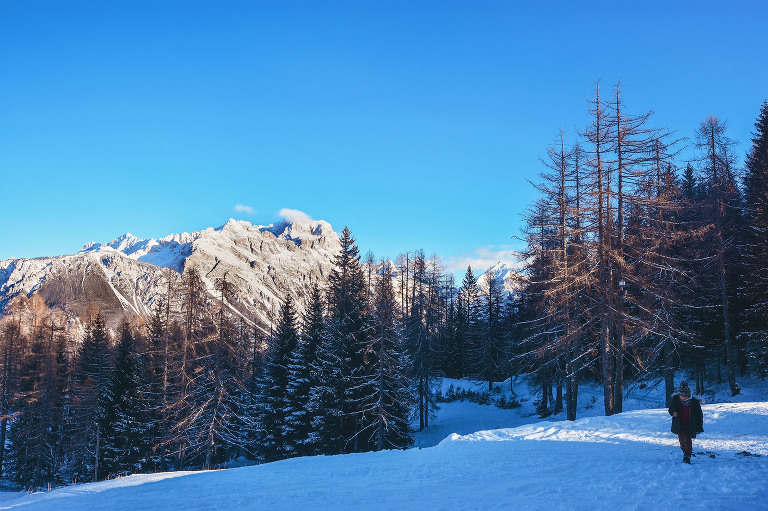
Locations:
(686, 445)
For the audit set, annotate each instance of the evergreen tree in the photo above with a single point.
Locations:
(755, 289)
(124, 421)
(326, 403)
(347, 338)
(388, 407)
(273, 414)
(469, 321)
(89, 388)
(302, 377)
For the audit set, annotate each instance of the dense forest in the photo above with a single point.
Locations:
(638, 264)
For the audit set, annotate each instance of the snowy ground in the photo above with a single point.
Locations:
(627, 461)
(466, 417)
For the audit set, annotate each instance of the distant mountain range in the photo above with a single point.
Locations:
(506, 276)
(130, 275)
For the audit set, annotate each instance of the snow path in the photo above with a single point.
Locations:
(627, 461)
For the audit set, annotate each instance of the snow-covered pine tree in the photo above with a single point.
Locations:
(272, 416)
(389, 406)
(126, 444)
(347, 338)
(326, 404)
(302, 377)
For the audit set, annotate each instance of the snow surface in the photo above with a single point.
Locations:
(626, 461)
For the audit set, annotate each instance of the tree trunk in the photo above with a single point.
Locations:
(730, 348)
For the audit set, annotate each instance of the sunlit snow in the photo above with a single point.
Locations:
(626, 461)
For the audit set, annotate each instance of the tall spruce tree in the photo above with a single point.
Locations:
(126, 443)
(89, 388)
(755, 289)
(469, 325)
(348, 333)
(274, 382)
(302, 377)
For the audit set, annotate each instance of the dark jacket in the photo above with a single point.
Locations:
(696, 423)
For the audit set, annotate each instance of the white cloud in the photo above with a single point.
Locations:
(244, 209)
(295, 216)
(481, 259)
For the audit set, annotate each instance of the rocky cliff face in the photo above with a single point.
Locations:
(131, 275)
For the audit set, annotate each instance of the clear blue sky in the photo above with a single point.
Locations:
(414, 123)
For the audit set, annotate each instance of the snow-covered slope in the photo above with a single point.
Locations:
(627, 461)
(130, 274)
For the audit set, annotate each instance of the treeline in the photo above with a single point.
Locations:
(640, 263)
(196, 385)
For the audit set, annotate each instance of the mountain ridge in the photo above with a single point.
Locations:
(131, 275)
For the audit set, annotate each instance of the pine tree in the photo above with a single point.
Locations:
(388, 407)
(347, 338)
(89, 387)
(326, 403)
(124, 425)
(303, 377)
(755, 289)
(469, 321)
(274, 382)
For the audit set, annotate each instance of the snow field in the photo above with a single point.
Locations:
(627, 461)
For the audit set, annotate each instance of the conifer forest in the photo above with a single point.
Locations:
(646, 253)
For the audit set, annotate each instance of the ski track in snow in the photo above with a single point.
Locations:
(626, 461)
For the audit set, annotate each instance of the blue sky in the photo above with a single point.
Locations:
(415, 123)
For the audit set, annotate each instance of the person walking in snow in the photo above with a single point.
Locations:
(687, 419)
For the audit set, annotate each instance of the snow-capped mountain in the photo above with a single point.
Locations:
(507, 276)
(130, 274)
